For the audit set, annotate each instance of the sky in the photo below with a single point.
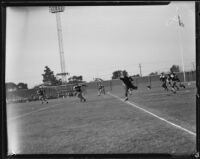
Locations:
(98, 40)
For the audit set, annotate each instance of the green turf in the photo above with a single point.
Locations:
(104, 124)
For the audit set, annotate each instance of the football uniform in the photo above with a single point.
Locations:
(163, 79)
(128, 85)
(175, 79)
(78, 91)
(128, 82)
(100, 89)
(41, 94)
(172, 82)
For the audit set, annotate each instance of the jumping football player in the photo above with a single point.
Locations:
(77, 88)
(127, 83)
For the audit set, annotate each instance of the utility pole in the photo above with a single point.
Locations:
(193, 66)
(57, 10)
(140, 66)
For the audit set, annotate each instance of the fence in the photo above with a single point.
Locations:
(31, 94)
(190, 76)
(67, 90)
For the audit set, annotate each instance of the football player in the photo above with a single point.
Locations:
(41, 94)
(163, 79)
(127, 81)
(78, 90)
(101, 89)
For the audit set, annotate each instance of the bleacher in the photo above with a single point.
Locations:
(51, 92)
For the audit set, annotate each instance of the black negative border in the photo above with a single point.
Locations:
(79, 3)
(197, 11)
(2, 83)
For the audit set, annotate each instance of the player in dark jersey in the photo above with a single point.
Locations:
(175, 79)
(77, 88)
(172, 82)
(41, 94)
(127, 83)
(163, 79)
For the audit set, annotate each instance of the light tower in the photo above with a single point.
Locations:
(140, 66)
(57, 10)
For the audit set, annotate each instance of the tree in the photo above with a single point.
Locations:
(79, 78)
(175, 68)
(10, 86)
(116, 74)
(22, 86)
(137, 75)
(49, 77)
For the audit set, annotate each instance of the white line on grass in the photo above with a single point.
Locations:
(134, 105)
(26, 114)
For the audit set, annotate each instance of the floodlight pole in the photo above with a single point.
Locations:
(60, 41)
(57, 10)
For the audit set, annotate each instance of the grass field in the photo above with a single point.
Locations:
(166, 123)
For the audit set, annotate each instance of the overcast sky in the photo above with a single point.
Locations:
(98, 40)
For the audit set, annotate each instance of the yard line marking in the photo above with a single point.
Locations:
(134, 105)
(26, 114)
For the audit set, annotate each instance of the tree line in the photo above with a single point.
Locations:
(50, 79)
(11, 86)
(116, 74)
(174, 68)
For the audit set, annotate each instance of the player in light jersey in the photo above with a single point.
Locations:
(101, 89)
(163, 79)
